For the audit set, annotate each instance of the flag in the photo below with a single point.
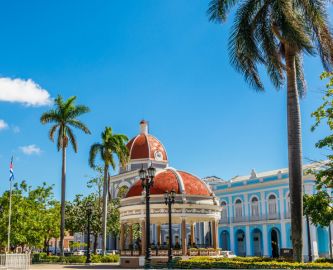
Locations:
(11, 170)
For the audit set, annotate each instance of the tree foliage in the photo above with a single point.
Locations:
(264, 30)
(35, 216)
(319, 206)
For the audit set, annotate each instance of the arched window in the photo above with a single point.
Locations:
(288, 206)
(224, 214)
(238, 208)
(272, 205)
(254, 207)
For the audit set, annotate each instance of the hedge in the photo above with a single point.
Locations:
(43, 258)
(246, 263)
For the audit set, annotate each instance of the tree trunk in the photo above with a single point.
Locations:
(63, 196)
(95, 243)
(105, 208)
(294, 155)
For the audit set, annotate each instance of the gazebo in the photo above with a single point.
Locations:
(195, 204)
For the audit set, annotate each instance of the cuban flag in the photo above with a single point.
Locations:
(11, 170)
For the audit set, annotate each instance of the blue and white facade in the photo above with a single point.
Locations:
(255, 218)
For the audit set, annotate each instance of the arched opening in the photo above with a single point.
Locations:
(238, 210)
(225, 240)
(122, 191)
(288, 206)
(275, 243)
(240, 246)
(272, 208)
(257, 242)
(254, 208)
(224, 213)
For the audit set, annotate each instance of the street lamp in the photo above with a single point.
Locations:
(89, 209)
(147, 179)
(169, 200)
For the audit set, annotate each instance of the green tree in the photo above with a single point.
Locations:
(64, 119)
(276, 34)
(112, 145)
(34, 212)
(319, 206)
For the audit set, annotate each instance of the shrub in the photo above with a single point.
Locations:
(246, 263)
(323, 260)
(104, 259)
(74, 259)
(43, 258)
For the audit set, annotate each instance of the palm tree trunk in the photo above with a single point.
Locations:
(294, 156)
(63, 196)
(105, 207)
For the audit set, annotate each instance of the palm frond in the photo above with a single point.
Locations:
(49, 117)
(94, 149)
(72, 139)
(77, 111)
(52, 131)
(60, 141)
(243, 46)
(78, 124)
(219, 9)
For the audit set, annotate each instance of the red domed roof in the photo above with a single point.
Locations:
(146, 146)
(166, 180)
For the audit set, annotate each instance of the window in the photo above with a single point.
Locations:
(272, 205)
(238, 208)
(288, 206)
(254, 207)
(224, 214)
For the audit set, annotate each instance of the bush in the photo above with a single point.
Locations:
(74, 259)
(43, 258)
(104, 259)
(246, 263)
(324, 260)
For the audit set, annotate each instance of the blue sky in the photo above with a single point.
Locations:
(128, 60)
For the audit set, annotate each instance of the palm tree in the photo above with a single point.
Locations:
(112, 145)
(64, 119)
(276, 33)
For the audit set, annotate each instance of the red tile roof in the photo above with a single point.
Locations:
(168, 180)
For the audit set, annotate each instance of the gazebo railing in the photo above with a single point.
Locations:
(15, 261)
(175, 252)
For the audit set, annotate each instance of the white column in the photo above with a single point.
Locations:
(305, 240)
(283, 234)
(263, 203)
(314, 241)
(248, 241)
(265, 240)
(230, 212)
(232, 239)
(281, 200)
(246, 205)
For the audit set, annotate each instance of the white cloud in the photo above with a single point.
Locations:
(3, 124)
(31, 149)
(23, 91)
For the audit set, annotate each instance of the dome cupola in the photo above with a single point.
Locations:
(145, 149)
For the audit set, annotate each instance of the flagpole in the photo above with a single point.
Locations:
(9, 214)
(11, 178)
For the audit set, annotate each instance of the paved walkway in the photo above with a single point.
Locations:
(78, 266)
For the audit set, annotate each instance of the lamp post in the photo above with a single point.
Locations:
(169, 200)
(89, 209)
(147, 179)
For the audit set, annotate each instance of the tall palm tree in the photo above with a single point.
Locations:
(275, 34)
(64, 119)
(112, 145)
